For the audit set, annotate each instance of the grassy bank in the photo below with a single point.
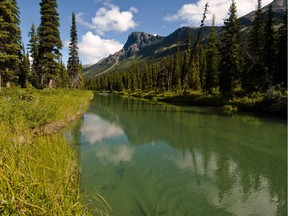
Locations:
(39, 172)
(272, 102)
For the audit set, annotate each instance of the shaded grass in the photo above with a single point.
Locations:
(39, 174)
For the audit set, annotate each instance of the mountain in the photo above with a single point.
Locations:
(278, 7)
(142, 47)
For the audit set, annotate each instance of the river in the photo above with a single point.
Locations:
(146, 158)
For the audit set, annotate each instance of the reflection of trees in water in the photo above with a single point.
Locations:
(200, 130)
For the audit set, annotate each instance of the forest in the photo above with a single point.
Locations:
(46, 68)
(237, 63)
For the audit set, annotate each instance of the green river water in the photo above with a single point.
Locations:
(155, 159)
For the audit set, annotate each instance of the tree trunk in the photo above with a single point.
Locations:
(50, 83)
(8, 84)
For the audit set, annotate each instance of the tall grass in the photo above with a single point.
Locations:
(39, 173)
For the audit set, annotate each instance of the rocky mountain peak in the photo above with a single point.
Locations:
(138, 40)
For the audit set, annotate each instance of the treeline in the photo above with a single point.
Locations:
(236, 60)
(41, 65)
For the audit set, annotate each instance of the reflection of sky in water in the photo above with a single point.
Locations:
(96, 129)
(234, 200)
(113, 154)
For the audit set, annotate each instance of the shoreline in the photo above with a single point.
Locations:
(257, 105)
(40, 166)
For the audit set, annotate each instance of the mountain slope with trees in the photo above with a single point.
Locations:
(234, 66)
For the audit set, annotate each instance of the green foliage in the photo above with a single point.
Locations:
(280, 75)
(49, 44)
(38, 174)
(212, 70)
(229, 108)
(10, 41)
(33, 50)
(73, 65)
(230, 52)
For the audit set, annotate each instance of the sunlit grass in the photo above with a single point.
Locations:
(39, 175)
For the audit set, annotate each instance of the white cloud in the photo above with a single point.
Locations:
(93, 48)
(191, 14)
(110, 18)
(133, 10)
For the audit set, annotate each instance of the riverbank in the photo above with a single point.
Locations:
(273, 102)
(39, 172)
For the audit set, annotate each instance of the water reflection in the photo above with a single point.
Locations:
(113, 154)
(96, 129)
(228, 192)
(185, 159)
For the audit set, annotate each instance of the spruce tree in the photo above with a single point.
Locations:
(256, 40)
(269, 47)
(212, 70)
(10, 41)
(24, 70)
(64, 78)
(256, 71)
(33, 46)
(196, 63)
(49, 44)
(186, 62)
(280, 75)
(73, 66)
(230, 52)
(176, 75)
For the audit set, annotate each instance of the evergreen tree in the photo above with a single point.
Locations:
(194, 68)
(64, 80)
(269, 47)
(49, 44)
(24, 72)
(74, 69)
(186, 62)
(212, 71)
(280, 75)
(230, 49)
(196, 57)
(256, 72)
(10, 41)
(33, 50)
(256, 41)
(176, 76)
(203, 66)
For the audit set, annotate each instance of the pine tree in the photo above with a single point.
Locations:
(230, 52)
(256, 40)
(196, 57)
(64, 80)
(269, 47)
(24, 71)
(280, 75)
(74, 69)
(176, 75)
(186, 62)
(49, 44)
(33, 46)
(9, 41)
(194, 68)
(212, 71)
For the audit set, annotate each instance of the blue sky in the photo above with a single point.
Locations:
(104, 25)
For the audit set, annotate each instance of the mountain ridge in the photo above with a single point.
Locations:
(144, 46)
